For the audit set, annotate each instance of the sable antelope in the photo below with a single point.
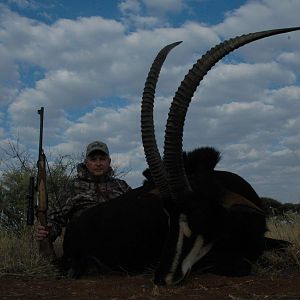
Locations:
(187, 215)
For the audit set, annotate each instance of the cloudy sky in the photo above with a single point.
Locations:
(86, 62)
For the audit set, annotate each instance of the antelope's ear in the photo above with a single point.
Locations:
(230, 199)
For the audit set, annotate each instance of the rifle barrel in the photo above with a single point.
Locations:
(41, 113)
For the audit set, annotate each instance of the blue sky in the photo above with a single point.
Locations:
(86, 63)
(210, 12)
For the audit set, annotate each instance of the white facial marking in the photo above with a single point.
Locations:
(185, 226)
(197, 252)
(183, 230)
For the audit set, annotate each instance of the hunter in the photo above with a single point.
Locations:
(95, 183)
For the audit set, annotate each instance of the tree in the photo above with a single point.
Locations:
(14, 181)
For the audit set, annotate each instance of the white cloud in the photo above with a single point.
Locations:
(77, 75)
(2, 133)
(260, 15)
(290, 59)
(249, 109)
(243, 82)
(24, 4)
(133, 16)
(9, 77)
(163, 7)
(145, 14)
(130, 7)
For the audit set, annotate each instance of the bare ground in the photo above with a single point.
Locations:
(116, 287)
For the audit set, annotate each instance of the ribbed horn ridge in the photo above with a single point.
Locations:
(174, 129)
(147, 123)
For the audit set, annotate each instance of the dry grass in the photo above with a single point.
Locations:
(19, 256)
(286, 228)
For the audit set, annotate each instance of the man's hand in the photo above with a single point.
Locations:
(42, 232)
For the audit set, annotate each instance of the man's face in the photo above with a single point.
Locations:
(98, 163)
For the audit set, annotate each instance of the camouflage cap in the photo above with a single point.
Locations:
(97, 146)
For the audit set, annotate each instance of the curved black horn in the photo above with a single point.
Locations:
(147, 124)
(174, 128)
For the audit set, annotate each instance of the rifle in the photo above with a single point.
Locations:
(45, 246)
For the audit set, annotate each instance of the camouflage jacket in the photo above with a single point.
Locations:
(84, 192)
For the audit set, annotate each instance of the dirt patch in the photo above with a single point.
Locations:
(204, 286)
